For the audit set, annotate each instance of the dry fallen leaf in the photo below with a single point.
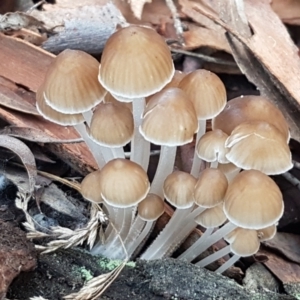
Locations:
(26, 156)
(284, 270)
(268, 57)
(11, 100)
(137, 7)
(34, 135)
(84, 28)
(287, 10)
(287, 244)
(17, 20)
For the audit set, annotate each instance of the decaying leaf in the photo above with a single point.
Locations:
(85, 28)
(286, 271)
(268, 58)
(17, 20)
(287, 10)
(287, 244)
(34, 135)
(11, 100)
(196, 37)
(137, 7)
(26, 156)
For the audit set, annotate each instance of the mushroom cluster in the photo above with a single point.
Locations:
(135, 96)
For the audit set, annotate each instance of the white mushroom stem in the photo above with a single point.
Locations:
(171, 236)
(188, 254)
(213, 257)
(88, 117)
(196, 160)
(140, 148)
(93, 147)
(230, 262)
(200, 247)
(214, 164)
(143, 234)
(164, 168)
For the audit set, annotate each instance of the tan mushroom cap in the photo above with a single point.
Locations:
(170, 119)
(253, 200)
(210, 188)
(151, 208)
(178, 76)
(244, 242)
(260, 146)
(110, 98)
(136, 62)
(179, 189)
(123, 183)
(228, 169)
(206, 91)
(111, 125)
(71, 84)
(52, 115)
(250, 108)
(267, 233)
(212, 217)
(211, 146)
(90, 187)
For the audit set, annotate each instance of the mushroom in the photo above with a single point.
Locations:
(211, 147)
(242, 243)
(208, 95)
(136, 63)
(250, 108)
(149, 210)
(123, 185)
(70, 87)
(259, 145)
(252, 201)
(209, 192)
(111, 128)
(75, 120)
(178, 191)
(169, 132)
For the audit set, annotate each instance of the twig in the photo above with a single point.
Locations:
(292, 179)
(296, 164)
(176, 19)
(205, 57)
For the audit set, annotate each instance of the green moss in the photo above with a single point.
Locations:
(86, 274)
(110, 264)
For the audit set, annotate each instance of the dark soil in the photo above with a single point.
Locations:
(65, 271)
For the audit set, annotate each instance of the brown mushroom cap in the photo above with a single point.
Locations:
(206, 91)
(90, 188)
(260, 146)
(123, 183)
(210, 188)
(250, 108)
(212, 217)
(111, 125)
(136, 62)
(52, 115)
(267, 233)
(110, 98)
(71, 84)
(253, 200)
(151, 208)
(211, 146)
(169, 119)
(244, 242)
(179, 189)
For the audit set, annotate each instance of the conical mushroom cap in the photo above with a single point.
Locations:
(253, 200)
(71, 85)
(136, 62)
